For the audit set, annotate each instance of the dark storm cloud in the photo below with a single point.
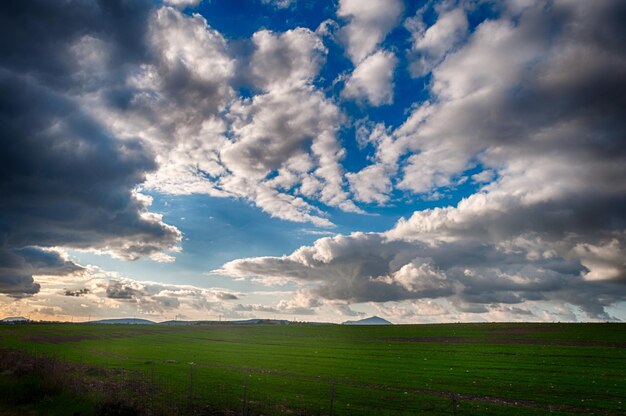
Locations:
(65, 180)
(47, 261)
(15, 277)
(17, 268)
(35, 35)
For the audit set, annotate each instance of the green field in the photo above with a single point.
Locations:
(464, 369)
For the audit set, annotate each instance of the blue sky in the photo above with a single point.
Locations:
(218, 230)
(425, 161)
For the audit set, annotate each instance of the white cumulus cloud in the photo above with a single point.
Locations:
(372, 80)
(368, 24)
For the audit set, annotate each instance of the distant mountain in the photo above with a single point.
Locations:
(374, 320)
(14, 320)
(126, 321)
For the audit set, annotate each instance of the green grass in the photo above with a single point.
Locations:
(386, 370)
(30, 394)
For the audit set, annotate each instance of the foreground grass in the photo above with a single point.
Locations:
(394, 370)
(32, 395)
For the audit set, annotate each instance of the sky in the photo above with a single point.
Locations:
(423, 161)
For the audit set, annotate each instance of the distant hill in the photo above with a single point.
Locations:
(374, 320)
(252, 321)
(126, 321)
(14, 320)
(176, 322)
(262, 321)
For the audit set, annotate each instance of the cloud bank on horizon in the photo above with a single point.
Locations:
(360, 106)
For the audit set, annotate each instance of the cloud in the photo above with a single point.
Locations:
(474, 277)
(290, 129)
(15, 279)
(88, 175)
(292, 133)
(425, 311)
(159, 87)
(279, 4)
(286, 131)
(117, 290)
(371, 184)
(90, 292)
(368, 24)
(484, 176)
(226, 296)
(209, 141)
(345, 310)
(286, 60)
(67, 180)
(175, 100)
(545, 230)
(298, 304)
(18, 266)
(255, 307)
(604, 262)
(191, 60)
(301, 303)
(543, 131)
(129, 96)
(372, 80)
(183, 3)
(375, 182)
(430, 45)
(43, 34)
(161, 299)
(356, 268)
(117, 97)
